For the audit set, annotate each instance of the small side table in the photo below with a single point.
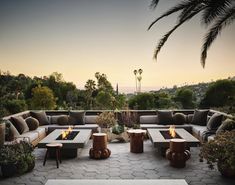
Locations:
(99, 150)
(136, 140)
(176, 154)
(53, 148)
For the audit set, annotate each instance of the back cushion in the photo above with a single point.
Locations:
(149, 119)
(179, 118)
(227, 125)
(189, 118)
(91, 119)
(76, 118)
(54, 119)
(214, 122)
(12, 132)
(41, 117)
(165, 117)
(200, 117)
(20, 124)
(32, 123)
(63, 120)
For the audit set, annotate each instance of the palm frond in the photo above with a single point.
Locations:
(194, 5)
(223, 21)
(154, 4)
(215, 9)
(179, 7)
(166, 36)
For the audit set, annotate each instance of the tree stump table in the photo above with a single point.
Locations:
(176, 154)
(99, 150)
(136, 140)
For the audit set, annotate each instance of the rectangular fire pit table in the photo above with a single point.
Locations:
(69, 149)
(162, 143)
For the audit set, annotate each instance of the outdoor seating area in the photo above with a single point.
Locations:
(122, 164)
(151, 152)
(116, 92)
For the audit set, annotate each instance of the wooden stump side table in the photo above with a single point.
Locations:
(136, 140)
(176, 154)
(99, 150)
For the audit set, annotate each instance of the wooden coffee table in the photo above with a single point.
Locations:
(162, 144)
(70, 147)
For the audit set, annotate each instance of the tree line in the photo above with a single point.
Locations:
(20, 92)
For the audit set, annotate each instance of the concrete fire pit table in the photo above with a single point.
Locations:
(161, 143)
(70, 146)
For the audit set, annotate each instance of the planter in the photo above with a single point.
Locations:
(2, 133)
(8, 169)
(31, 165)
(107, 131)
(226, 171)
(123, 137)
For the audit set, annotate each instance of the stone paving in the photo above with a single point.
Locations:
(121, 165)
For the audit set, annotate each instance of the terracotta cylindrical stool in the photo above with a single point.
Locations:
(99, 150)
(136, 140)
(176, 154)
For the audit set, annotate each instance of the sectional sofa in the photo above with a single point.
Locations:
(203, 124)
(53, 121)
(35, 125)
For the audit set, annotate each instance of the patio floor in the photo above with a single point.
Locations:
(121, 165)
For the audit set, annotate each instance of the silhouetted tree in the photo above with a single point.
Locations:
(221, 93)
(217, 14)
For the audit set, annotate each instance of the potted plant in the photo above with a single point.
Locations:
(2, 132)
(8, 160)
(119, 133)
(221, 151)
(106, 120)
(26, 159)
(16, 157)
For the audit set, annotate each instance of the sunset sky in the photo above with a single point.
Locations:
(79, 37)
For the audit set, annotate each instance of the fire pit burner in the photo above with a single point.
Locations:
(167, 135)
(70, 135)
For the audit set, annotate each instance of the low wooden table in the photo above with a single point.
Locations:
(136, 140)
(118, 182)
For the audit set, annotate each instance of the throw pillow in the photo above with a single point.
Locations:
(179, 118)
(165, 117)
(227, 125)
(20, 124)
(63, 120)
(200, 117)
(12, 132)
(32, 123)
(214, 122)
(189, 118)
(76, 118)
(41, 117)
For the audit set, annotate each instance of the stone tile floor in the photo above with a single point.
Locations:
(121, 165)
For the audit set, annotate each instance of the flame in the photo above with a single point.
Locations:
(69, 129)
(65, 133)
(172, 131)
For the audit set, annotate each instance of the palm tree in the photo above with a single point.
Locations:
(216, 13)
(135, 73)
(139, 78)
(90, 87)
